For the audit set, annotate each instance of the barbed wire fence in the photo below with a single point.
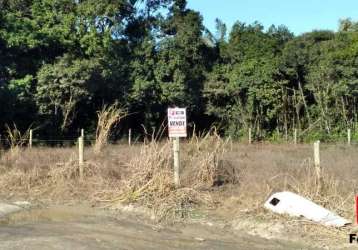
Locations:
(129, 139)
(79, 143)
(37, 141)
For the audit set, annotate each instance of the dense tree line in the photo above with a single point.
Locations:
(62, 60)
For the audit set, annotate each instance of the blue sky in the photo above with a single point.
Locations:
(298, 15)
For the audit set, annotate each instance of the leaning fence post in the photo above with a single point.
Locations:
(349, 136)
(30, 139)
(81, 156)
(317, 164)
(153, 133)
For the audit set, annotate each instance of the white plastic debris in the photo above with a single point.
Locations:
(295, 205)
(6, 209)
(22, 204)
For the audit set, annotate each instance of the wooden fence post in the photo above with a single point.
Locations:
(317, 164)
(250, 138)
(81, 156)
(130, 137)
(83, 133)
(30, 139)
(349, 136)
(153, 133)
(176, 149)
(295, 136)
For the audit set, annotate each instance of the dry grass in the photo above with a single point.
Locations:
(266, 169)
(107, 118)
(236, 178)
(52, 174)
(151, 180)
(206, 165)
(16, 140)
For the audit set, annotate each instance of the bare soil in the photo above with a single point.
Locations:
(81, 227)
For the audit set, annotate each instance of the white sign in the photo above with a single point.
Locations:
(177, 122)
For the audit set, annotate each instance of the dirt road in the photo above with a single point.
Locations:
(87, 228)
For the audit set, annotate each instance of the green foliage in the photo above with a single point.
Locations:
(61, 60)
(65, 84)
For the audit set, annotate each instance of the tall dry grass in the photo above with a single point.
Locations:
(151, 179)
(16, 141)
(206, 163)
(107, 118)
(215, 173)
(139, 174)
(53, 174)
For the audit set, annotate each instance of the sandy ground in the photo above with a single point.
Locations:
(65, 227)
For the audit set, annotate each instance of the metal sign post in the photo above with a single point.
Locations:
(177, 126)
